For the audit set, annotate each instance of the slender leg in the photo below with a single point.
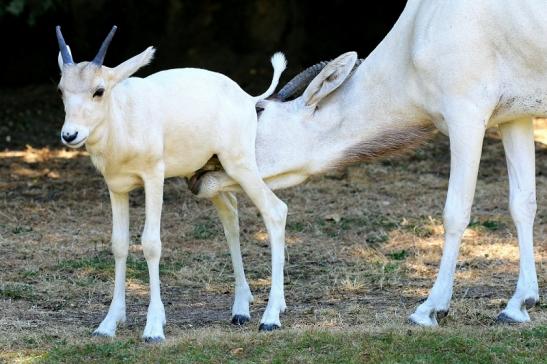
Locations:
(465, 151)
(120, 245)
(274, 213)
(226, 205)
(151, 245)
(518, 141)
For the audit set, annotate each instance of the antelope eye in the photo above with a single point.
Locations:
(259, 110)
(99, 92)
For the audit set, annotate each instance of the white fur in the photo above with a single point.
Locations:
(143, 130)
(279, 63)
(460, 65)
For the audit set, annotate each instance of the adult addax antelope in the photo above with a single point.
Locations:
(460, 66)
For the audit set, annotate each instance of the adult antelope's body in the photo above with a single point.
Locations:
(140, 131)
(462, 66)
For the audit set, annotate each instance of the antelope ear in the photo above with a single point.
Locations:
(330, 78)
(60, 58)
(132, 65)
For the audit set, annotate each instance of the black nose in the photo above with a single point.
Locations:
(67, 137)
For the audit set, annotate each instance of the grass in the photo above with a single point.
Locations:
(411, 345)
(486, 224)
(101, 266)
(205, 229)
(363, 249)
(16, 291)
(398, 255)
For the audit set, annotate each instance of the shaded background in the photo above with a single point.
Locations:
(233, 37)
(236, 38)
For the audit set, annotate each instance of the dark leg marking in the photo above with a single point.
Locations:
(153, 340)
(441, 314)
(268, 327)
(505, 319)
(530, 302)
(239, 320)
(99, 334)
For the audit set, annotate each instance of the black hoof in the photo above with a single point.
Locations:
(505, 319)
(268, 327)
(530, 302)
(239, 320)
(153, 340)
(441, 314)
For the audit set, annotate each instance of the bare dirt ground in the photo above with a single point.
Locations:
(363, 248)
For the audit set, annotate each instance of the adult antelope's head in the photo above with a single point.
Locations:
(306, 93)
(86, 89)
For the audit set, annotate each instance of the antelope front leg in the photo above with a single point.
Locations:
(151, 246)
(120, 245)
(465, 151)
(518, 141)
(226, 205)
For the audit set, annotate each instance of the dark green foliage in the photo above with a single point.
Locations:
(398, 255)
(490, 225)
(29, 10)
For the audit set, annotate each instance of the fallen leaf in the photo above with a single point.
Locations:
(236, 351)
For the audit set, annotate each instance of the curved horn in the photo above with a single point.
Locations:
(99, 58)
(65, 54)
(300, 81)
(295, 86)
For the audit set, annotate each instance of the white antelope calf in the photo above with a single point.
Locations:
(139, 131)
(461, 66)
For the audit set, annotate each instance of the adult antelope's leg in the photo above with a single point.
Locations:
(465, 150)
(518, 141)
(151, 245)
(226, 205)
(274, 213)
(120, 245)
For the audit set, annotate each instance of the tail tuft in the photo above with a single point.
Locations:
(279, 63)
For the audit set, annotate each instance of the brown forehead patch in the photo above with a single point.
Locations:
(80, 77)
